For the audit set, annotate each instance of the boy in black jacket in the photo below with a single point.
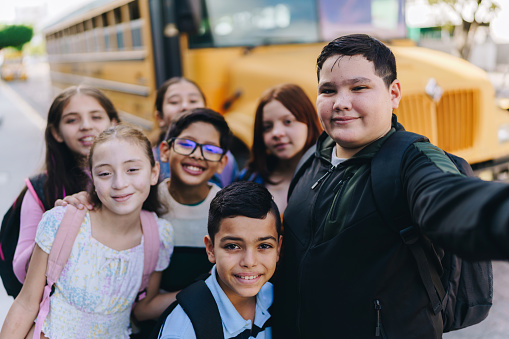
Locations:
(344, 273)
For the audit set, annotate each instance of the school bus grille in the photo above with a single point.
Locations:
(450, 123)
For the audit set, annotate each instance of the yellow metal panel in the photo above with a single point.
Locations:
(456, 113)
(417, 113)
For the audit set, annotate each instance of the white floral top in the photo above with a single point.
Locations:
(98, 285)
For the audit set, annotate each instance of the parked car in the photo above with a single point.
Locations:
(12, 67)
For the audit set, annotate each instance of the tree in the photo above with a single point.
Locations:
(473, 14)
(15, 36)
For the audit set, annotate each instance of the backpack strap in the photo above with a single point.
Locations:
(386, 174)
(34, 193)
(150, 249)
(158, 327)
(201, 308)
(386, 185)
(58, 256)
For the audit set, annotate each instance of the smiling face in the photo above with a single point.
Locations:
(245, 251)
(354, 104)
(180, 97)
(284, 136)
(193, 169)
(83, 118)
(122, 176)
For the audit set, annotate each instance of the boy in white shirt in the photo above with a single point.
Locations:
(195, 148)
(244, 242)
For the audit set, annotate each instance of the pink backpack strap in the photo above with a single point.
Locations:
(34, 193)
(59, 253)
(150, 249)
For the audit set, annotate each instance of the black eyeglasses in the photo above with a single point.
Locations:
(187, 147)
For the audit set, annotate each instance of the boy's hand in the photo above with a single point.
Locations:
(79, 200)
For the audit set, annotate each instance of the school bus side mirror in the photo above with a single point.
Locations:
(189, 15)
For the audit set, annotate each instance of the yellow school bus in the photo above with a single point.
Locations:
(236, 49)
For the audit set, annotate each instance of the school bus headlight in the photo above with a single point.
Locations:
(503, 133)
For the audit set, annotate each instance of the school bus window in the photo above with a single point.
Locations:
(57, 46)
(97, 23)
(104, 17)
(261, 22)
(382, 19)
(120, 37)
(70, 42)
(75, 48)
(80, 38)
(203, 39)
(107, 41)
(107, 38)
(75, 42)
(112, 32)
(105, 32)
(65, 41)
(117, 14)
(135, 23)
(134, 10)
(49, 44)
(136, 33)
(89, 36)
(126, 28)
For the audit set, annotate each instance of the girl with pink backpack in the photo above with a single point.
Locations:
(118, 251)
(76, 116)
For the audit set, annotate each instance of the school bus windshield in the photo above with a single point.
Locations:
(229, 23)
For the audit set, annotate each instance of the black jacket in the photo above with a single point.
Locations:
(342, 269)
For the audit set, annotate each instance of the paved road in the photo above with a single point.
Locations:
(496, 325)
(23, 111)
(23, 108)
(21, 151)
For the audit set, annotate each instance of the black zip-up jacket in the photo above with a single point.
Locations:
(344, 274)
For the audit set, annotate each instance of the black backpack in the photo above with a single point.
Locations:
(201, 308)
(9, 234)
(460, 289)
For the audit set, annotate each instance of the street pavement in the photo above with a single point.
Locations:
(23, 109)
(21, 151)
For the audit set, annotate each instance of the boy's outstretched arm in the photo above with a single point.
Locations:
(467, 216)
(25, 307)
(154, 304)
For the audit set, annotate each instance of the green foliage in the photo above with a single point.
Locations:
(15, 36)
